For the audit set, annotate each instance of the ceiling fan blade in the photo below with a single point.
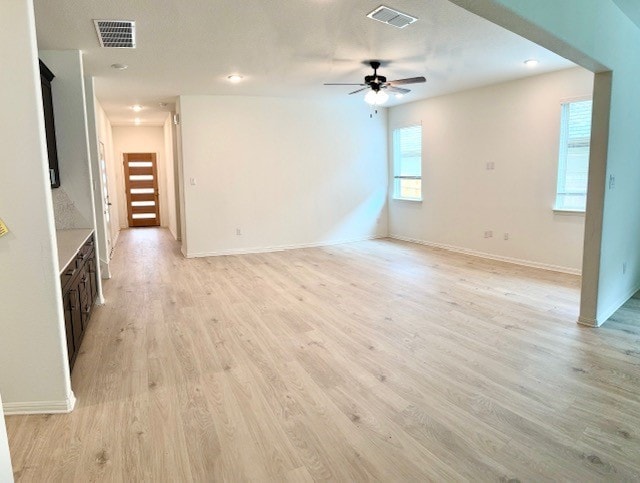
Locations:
(359, 90)
(411, 80)
(345, 84)
(399, 90)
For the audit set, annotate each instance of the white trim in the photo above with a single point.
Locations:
(279, 248)
(588, 321)
(415, 200)
(114, 242)
(615, 306)
(489, 256)
(40, 407)
(563, 211)
(567, 100)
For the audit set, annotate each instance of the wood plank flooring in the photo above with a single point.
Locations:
(370, 361)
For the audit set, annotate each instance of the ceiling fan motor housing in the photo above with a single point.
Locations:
(375, 81)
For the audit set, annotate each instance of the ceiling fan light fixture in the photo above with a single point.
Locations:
(376, 98)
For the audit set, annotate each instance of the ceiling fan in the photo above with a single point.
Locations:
(377, 84)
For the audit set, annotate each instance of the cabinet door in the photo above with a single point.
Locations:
(46, 76)
(83, 285)
(66, 301)
(76, 318)
(93, 277)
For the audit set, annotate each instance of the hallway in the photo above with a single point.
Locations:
(376, 360)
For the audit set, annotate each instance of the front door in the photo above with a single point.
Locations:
(141, 183)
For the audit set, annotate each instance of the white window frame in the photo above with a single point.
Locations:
(562, 167)
(396, 165)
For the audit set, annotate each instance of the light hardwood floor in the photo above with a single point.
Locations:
(371, 361)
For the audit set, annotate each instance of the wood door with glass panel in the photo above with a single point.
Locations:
(141, 183)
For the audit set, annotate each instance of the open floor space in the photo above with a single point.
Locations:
(376, 360)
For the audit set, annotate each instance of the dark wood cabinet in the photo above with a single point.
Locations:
(46, 76)
(79, 290)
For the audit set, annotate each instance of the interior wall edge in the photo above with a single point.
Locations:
(594, 216)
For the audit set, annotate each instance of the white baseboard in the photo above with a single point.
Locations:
(114, 240)
(614, 307)
(489, 256)
(105, 273)
(588, 321)
(40, 407)
(279, 248)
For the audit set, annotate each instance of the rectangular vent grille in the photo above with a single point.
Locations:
(391, 17)
(119, 34)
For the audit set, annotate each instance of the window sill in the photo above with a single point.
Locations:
(415, 200)
(563, 211)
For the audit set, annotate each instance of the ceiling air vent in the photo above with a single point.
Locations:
(116, 33)
(391, 17)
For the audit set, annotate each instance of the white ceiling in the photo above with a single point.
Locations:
(284, 48)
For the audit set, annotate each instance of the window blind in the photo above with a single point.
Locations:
(573, 163)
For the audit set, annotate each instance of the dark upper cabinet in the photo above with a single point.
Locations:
(46, 76)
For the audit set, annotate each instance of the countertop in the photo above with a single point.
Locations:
(69, 242)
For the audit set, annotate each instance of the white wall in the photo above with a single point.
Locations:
(105, 136)
(181, 183)
(600, 38)
(140, 139)
(71, 129)
(103, 233)
(171, 171)
(516, 126)
(34, 371)
(72, 138)
(285, 172)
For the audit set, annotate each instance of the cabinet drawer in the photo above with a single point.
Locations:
(68, 275)
(85, 253)
(88, 247)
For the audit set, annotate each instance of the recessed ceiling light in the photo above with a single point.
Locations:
(137, 121)
(137, 108)
(235, 78)
(531, 63)
(163, 104)
(399, 96)
(119, 66)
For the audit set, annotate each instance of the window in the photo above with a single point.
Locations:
(573, 163)
(407, 163)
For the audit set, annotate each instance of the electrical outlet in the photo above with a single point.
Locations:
(192, 181)
(491, 166)
(506, 236)
(238, 232)
(488, 234)
(612, 181)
